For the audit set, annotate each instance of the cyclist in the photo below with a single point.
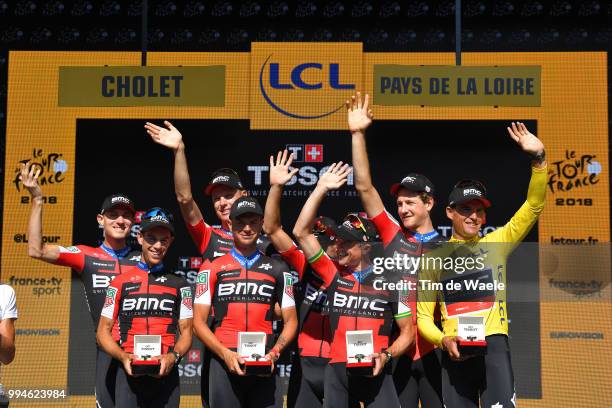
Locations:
(224, 188)
(417, 374)
(242, 287)
(148, 299)
(354, 302)
(95, 266)
(489, 378)
(306, 384)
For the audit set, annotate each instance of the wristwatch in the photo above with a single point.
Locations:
(539, 156)
(388, 354)
(177, 357)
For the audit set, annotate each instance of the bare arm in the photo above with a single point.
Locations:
(36, 248)
(170, 137)
(7, 340)
(334, 178)
(231, 358)
(290, 324)
(106, 343)
(280, 174)
(182, 345)
(359, 119)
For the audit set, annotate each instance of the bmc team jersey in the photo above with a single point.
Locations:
(243, 292)
(314, 339)
(397, 240)
(148, 302)
(212, 242)
(355, 303)
(97, 267)
(497, 246)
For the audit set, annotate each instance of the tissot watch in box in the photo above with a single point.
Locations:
(252, 348)
(359, 348)
(471, 330)
(145, 348)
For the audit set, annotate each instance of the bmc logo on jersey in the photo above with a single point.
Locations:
(304, 81)
(245, 288)
(148, 303)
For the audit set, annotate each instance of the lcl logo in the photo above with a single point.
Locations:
(297, 82)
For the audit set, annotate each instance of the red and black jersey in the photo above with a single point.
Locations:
(97, 267)
(148, 302)
(399, 241)
(314, 338)
(358, 303)
(243, 292)
(212, 242)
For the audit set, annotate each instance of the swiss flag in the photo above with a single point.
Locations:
(314, 153)
(193, 356)
(138, 216)
(196, 262)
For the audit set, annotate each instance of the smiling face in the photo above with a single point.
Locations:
(412, 208)
(246, 229)
(223, 198)
(155, 243)
(467, 218)
(116, 222)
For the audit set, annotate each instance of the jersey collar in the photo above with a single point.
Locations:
(246, 261)
(361, 276)
(143, 266)
(428, 236)
(119, 253)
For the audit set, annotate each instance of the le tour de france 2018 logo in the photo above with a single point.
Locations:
(308, 76)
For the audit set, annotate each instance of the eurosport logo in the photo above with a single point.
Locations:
(307, 76)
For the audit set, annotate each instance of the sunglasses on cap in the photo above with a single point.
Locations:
(471, 183)
(157, 211)
(356, 222)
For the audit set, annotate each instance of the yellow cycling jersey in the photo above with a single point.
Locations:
(493, 250)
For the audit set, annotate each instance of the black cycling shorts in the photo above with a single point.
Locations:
(106, 375)
(146, 391)
(487, 377)
(342, 390)
(229, 390)
(419, 380)
(306, 384)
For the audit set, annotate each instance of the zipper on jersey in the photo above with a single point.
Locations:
(322, 334)
(246, 269)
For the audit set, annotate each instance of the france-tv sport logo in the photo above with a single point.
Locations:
(304, 81)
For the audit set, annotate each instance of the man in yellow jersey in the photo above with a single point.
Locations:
(488, 376)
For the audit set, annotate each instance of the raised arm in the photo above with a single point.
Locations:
(36, 248)
(280, 174)
(523, 220)
(334, 178)
(359, 119)
(171, 138)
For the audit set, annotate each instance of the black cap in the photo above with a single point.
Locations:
(117, 200)
(245, 205)
(356, 228)
(156, 217)
(414, 182)
(468, 190)
(226, 177)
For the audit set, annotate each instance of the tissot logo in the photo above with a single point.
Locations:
(300, 77)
